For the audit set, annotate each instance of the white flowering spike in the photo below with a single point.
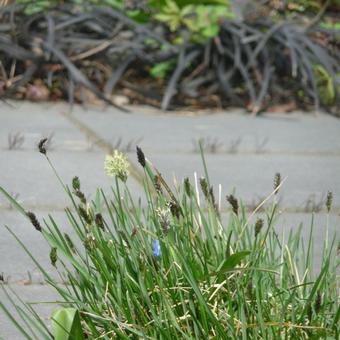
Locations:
(164, 217)
(117, 165)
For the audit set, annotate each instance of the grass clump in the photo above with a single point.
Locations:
(179, 267)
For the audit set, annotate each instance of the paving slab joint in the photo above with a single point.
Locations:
(103, 144)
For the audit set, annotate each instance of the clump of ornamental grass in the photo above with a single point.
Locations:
(180, 267)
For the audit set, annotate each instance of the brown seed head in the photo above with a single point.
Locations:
(187, 186)
(309, 312)
(34, 220)
(140, 156)
(204, 187)
(277, 182)
(81, 196)
(317, 303)
(90, 242)
(329, 201)
(233, 202)
(258, 226)
(53, 256)
(76, 190)
(41, 146)
(99, 221)
(157, 184)
(212, 196)
(83, 213)
(75, 183)
(175, 209)
(70, 243)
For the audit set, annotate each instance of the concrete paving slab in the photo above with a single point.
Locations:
(286, 222)
(300, 148)
(298, 133)
(242, 152)
(28, 174)
(309, 178)
(28, 293)
(16, 265)
(23, 124)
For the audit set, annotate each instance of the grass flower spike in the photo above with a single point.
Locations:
(277, 182)
(329, 201)
(233, 202)
(258, 226)
(34, 220)
(42, 146)
(117, 165)
(141, 157)
(164, 218)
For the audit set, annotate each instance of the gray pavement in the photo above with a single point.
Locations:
(243, 153)
(42, 299)
(27, 174)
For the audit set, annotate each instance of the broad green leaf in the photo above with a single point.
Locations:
(231, 262)
(210, 31)
(66, 324)
(172, 6)
(160, 70)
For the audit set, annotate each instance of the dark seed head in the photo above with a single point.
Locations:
(204, 187)
(233, 202)
(317, 303)
(90, 242)
(212, 196)
(83, 213)
(277, 182)
(41, 146)
(70, 243)
(2, 279)
(99, 221)
(157, 184)
(309, 312)
(175, 209)
(140, 156)
(34, 220)
(258, 226)
(76, 190)
(187, 186)
(53, 256)
(329, 201)
(75, 183)
(81, 196)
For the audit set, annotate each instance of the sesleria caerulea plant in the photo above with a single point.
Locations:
(179, 267)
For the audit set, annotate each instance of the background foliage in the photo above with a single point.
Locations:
(173, 53)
